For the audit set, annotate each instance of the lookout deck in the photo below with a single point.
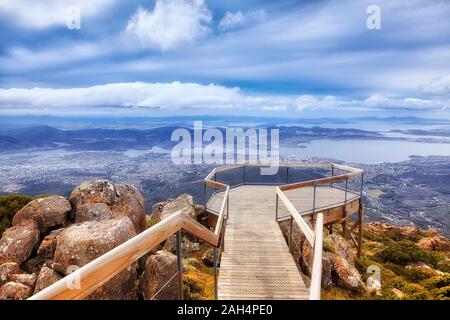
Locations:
(256, 262)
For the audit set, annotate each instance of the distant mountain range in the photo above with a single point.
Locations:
(124, 139)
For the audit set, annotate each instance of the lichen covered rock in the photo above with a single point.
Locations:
(46, 277)
(120, 200)
(15, 291)
(6, 270)
(48, 212)
(18, 242)
(159, 269)
(82, 243)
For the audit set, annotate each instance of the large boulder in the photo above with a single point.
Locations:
(82, 243)
(46, 277)
(47, 248)
(341, 247)
(436, 242)
(184, 204)
(6, 270)
(327, 268)
(132, 204)
(24, 278)
(48, 212)
(93, 212)
(15, 291)
(159, 269)
(121, 200)
(187, 246)
(18, 242)
(345, 275)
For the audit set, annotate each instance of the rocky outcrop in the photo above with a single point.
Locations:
(437, 242)
(327, 268)
(159, 269)
(6, 270)
(93, 212)
(47, 247)
(187, 246)
(48, 212)
(18, 242)
(121, 200)
(24, 278)
(341, 247)
(15, 291)
(82, 243)
(46, 277)
(208, 258)
(345, 275)
(184, 203)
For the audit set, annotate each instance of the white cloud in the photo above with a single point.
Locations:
(439, 86)
(178, 96)
(172, 23)
(236, 19)
(47, 13)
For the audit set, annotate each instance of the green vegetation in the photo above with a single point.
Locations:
(403, 252)
(9, 205)
(407, 271)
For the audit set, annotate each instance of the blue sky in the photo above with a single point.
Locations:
(284, 58)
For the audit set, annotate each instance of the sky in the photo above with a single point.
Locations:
(228, 57)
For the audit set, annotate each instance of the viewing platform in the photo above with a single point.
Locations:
(256, 262)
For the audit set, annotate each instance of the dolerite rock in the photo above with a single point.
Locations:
(48, 212)
(345, 275)
(187, 246)
(132, 203)
(435, 243)
(15, 291)
(183, 204)
(93, 212)
(46, 277)
(82, 243)
(122, 201)
(208, 258)
(159, 269)
(327, 268)
(24, 278)
(18, 242)
(6, 270)
(48, 246)
(341, 247)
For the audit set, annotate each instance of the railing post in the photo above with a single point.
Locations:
(204, 189)
(215, 272)
(290, 234)
(362, 184)
(276, 207)
(287, 175)
(180, 266)
(332, 173)
(244, 175)
(314, 203)
(344, 220)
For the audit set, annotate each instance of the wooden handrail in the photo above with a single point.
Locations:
(316, 274)
(97, 272)
(309, 234)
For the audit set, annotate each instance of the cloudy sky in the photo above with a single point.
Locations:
(284, 58)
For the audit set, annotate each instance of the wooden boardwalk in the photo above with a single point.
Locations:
(256, 263)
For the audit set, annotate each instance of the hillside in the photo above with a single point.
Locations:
(47, 232)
